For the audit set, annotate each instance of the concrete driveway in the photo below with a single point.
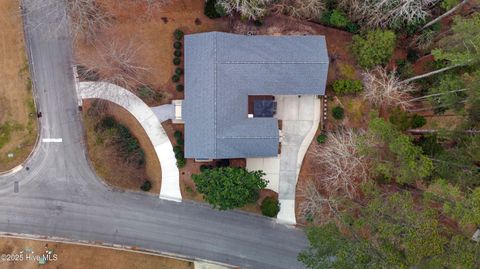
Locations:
(170, 189)
(300, 119)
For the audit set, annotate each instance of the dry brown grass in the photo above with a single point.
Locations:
(153, 31)
(80, 257)
(110, 166)
(18, 126)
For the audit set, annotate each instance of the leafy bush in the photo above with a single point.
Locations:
(211, 10)
(175, 78)
(178, 34)
(177, 53)
(400, 119)
(321, 138)
(228, 187)
(205, 167)
(177, 61)
(352, 27)
(180, 141)
(376, 48)
(179, 88)
(178, 71)
(108, 122)
(338, 113)
(270, 207)
(177, 134)
(179, 155)
(347, 86)
(181, 163)
(146, 186)
(335, 18)
(177, 45)
(177, 148)
(417, 121)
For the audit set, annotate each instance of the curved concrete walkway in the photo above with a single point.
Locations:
(170, 189)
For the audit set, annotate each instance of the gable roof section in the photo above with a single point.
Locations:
(222, 69)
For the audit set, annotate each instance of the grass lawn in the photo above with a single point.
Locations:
(106, 158)
(18, 125)
(74, 256)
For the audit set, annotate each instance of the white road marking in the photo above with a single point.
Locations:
(52, 140)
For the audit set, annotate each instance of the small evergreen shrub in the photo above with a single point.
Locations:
(178, 34)
(417, 121)
(321, 138)
(181, 163)
(338, 113)
(347, 86)
(177, 45)
(146, 186)
(176, 61)
(270, 207)
(179, 88)
(177, 149)
(180, 141)
(177, 53)
(258, 23)
(338, 19)
(211, 10)
(108, 122)
(179, 155)
(177, 134)
(178, 71)
(175, 78)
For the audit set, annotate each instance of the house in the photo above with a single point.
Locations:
(224, 72)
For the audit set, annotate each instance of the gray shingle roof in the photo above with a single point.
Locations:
(222, 69)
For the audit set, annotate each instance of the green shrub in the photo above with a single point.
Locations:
(417, 121)
(211, 10)
(177, 61)
(338, 19)
(177, 134)
(178, 71)
(258, 23)
(321, 138)
(400, 119)
(179, 155)
(180, 141)
(205, 167)
(175, 78)
(338, 113)
(181, 163)
(376, 48)
(179, 88)
(177, 45)
(352, 27)
(177, 149)
(178, 34)
(108, 122)
(270, 207)
(146, 186)
(347, 86)
(177, 53)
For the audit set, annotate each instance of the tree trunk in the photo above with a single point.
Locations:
(435, 94)
(446, 14)
(430, 73)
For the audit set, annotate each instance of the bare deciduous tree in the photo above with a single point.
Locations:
(303, 9)
(252, 9)
(85, 18)
(388, 13)
(115, 62)
(343, 167)
(386, 89)
(314, 206)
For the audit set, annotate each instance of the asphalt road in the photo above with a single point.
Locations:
(60, 195)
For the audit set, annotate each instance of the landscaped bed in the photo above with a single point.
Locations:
(18, 124)
(119, 148)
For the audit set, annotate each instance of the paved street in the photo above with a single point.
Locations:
(60, 195)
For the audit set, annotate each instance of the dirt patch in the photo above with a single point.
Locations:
(18, 124)
(108, 165)
(80, 257)
(152, 30)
